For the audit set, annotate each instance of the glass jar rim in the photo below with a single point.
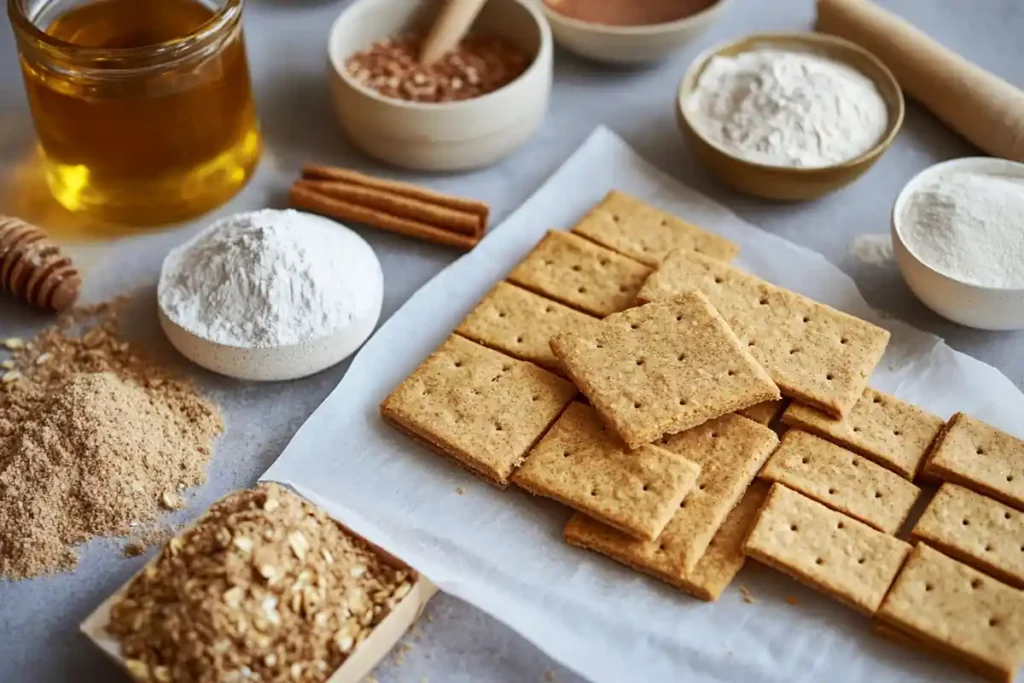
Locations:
(169, 50)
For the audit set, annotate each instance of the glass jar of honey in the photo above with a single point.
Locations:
(143, 108)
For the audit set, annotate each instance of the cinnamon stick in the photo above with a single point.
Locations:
(310, 199)
(479, 210)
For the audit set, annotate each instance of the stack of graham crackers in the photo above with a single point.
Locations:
(670, 463)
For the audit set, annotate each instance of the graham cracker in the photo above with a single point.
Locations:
(981, 457)
(764, 412)
(640, 231)
(817, 355)
(662, 368)
(842, 480)
(520, 323)
(976, 530)
(824, 549)
(891, 432)
(958, 610)
(898, 637)
(478, 406)
(714, 572)
(580, 464)
(581, 274)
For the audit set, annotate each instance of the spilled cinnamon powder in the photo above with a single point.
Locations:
(93, 438)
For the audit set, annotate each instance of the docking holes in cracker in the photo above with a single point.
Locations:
(817, 355)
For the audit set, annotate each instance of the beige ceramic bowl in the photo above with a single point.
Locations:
(629, 44)
(984, 308)
(779, 182)
(448, 136)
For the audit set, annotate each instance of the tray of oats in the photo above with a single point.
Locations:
(263, 587)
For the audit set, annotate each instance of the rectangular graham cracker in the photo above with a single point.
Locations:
(640, 231)
(582, 465)
(976, 530)
(981, 457)
(817, 355)
(716, 569)
(520, 323)
(893, 433)
(478, 406)
(959, 610)
(827, 550)
(842, 480)
(764, 412)
(662, 368)
(581, 274)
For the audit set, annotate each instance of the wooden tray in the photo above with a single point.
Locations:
(361, 661)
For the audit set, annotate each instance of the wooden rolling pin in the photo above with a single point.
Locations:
(979, 105)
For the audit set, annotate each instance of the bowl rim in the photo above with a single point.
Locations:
(634, 31)
(912, 184)
(810, 39)
(341, 72)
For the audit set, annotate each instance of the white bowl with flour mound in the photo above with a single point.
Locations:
(958, 237)
(270, 295)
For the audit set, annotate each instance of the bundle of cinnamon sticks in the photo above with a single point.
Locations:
(390, 205)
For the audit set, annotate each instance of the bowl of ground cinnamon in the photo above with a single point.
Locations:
(467, 109)
(628, 31)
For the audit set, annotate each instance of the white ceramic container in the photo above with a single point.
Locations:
(629, 44)
(449, 136)
(985, 308)
(279, 363)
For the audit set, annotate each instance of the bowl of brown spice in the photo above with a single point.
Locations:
(467, 109)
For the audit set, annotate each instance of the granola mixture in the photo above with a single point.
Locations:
(94, 438)
(264, 588)
(478, 65)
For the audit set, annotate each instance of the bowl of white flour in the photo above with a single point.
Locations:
(270, 295)
(789, 116)
(958, 237)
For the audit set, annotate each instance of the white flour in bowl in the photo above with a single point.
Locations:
(969, 225)
(790, 109)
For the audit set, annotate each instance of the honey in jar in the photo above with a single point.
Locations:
(143, 108)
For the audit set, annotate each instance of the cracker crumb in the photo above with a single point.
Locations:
(748, 597)
(792, 599)
(459, 491)
(549, 676)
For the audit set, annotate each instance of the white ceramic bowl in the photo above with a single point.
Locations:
(449, 136)
(629, 44)
(279, 363)
(985, 308)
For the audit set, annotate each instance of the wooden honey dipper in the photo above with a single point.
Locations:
(34, 269)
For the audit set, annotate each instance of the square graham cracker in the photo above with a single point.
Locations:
(581, 274)
(629, 226)
(817, 355)
(981, 457)
(976, 530)
(716, 569)
(958, 610)
(520, 323)
(581, 464)
(478, 406)
(836, 554)
(891, 432)
(663, 368)
(842, 480)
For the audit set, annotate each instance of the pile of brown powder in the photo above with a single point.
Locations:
(265, 587)
(93, 437)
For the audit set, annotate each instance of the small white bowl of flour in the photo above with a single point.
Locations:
(270, 295)
(958, 237)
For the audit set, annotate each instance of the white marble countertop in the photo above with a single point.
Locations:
(454, 642)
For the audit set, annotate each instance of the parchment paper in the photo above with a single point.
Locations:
(502, 551)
